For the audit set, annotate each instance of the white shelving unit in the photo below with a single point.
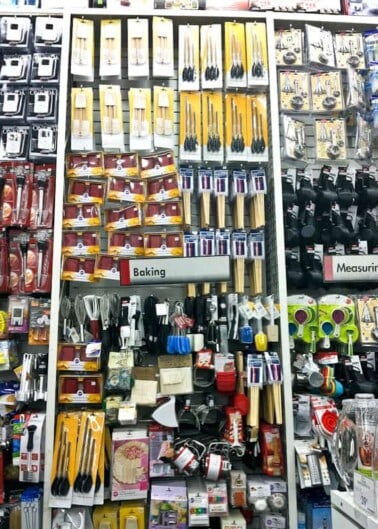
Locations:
(276, 257)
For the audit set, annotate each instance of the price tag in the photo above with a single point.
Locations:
(364, 493)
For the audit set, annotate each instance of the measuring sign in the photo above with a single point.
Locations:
(175, 270)
(350, 268)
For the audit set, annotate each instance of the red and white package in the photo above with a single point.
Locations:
(4, 264)
(86, 191)
(22, 175)
(81, 243)
(43, 194)
(30, 261)
(271, 450)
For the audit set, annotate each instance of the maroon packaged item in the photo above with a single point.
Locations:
(85, 164)
(126, 217)
(163, 244)
(126, 189)
(4, 264)
(122, 164)
(86, 191)
(107, 267)
(81, 215)
(162, 213)
(163, 188)
(43, 195)
(80, 243)
(73, 357)
(157, 164)
(79, 389)
(78, 268)
(125, 244)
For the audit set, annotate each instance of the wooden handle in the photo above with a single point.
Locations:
(221, 212)
(254, 403)
(256, 286)
(187, 207)
(268, 404)
(205, 209)
(223, 288)
(239, 267)
(240, 371)
(205, 289)
(259, 210)
(277, 402)
(239, 212)
(191, 290)
(252, 213)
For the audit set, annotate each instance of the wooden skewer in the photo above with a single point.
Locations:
(268, 404)
(239, 267)
(276, 388)
(221, 212)
(256, 286)
(259, 210)
(205, 209)
(239, 369)
(239, 212)
(187, 207)
(254, 404)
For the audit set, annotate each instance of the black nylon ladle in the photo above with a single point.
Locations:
(79, 477)
(87, 480)
(56, 484)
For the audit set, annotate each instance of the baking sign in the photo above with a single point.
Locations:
(174, 270)
(350, 268)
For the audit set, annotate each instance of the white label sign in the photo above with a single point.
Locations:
(350, 268)
(174, 270)
(364, 493)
